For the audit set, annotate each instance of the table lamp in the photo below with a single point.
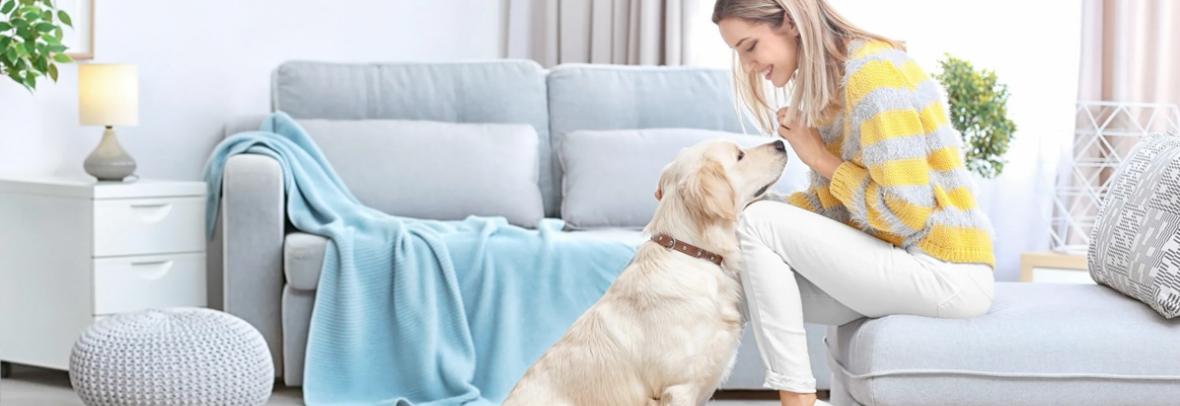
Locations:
(108, 95)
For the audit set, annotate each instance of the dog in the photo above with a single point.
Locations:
(666, 331)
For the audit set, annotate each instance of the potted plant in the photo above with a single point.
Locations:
(978, 107)
(30, 40)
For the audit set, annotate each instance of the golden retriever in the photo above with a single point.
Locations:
(667, 329)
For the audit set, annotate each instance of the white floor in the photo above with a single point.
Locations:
(37, 387)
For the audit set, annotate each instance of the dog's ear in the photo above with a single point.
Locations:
(663, 179)
(708, 196)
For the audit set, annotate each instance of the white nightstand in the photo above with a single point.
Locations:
(74, 250)
(1054, 267)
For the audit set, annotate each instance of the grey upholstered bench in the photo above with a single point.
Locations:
(1040, 344)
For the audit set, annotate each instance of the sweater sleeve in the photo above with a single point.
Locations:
(806, 200)
(892, 191)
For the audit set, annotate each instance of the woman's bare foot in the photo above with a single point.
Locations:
(796, 399)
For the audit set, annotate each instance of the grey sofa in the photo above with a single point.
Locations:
(266, 273)
(1040, 344)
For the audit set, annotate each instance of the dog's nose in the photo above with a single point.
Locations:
(778, 145)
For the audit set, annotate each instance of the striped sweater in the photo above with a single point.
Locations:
(903, 179)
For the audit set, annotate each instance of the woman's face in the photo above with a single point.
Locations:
(773, 53)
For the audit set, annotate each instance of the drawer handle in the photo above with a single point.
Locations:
(151, 212)
(152, 270)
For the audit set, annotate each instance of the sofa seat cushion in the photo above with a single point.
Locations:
(626, 235)
(303, 253)
(1039, 344)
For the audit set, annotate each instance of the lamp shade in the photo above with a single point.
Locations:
(108, 94)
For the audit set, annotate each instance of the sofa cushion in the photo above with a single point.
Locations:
(1135, 242)
(435, 170)
(616, 97)
(492, 91)
(609, 175)
(627, 236)
(1040, 344)
(303, 253)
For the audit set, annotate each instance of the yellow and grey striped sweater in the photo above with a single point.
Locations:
(903, 179)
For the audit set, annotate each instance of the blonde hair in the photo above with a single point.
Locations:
(823, 35)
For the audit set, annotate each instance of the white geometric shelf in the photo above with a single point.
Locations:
(1105, 133)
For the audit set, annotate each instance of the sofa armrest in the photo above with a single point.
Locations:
(246, 252)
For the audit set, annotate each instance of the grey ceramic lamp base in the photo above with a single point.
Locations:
(109, 162)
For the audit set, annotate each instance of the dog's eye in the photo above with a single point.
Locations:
(741, 154)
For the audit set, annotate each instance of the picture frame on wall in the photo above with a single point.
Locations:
(79, 40)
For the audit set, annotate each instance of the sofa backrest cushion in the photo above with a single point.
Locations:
(435, 170)
(493, 91)
(609, 176)
(618, 97)
(566, 98)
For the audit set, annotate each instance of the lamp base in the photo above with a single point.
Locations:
(108, 161)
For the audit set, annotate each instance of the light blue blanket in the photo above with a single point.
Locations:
(422, 312)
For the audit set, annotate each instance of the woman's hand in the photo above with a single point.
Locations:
(808, 145)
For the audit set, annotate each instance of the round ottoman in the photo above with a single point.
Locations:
(182, 356)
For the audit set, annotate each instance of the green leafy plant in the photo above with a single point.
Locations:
(978, 105)
(30, 40)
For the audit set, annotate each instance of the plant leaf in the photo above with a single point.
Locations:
(978, 111)
(5, 26)
(62, 58)
(11, 4)
(53, 72)
(45, 27)
(65, 18)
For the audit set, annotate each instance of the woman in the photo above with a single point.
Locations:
(889, 224)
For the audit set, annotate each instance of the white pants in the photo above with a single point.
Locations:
(800, 266)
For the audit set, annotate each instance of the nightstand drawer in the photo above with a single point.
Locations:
(152, 281)
(149, 226)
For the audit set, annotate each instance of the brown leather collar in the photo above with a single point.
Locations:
(691, 250)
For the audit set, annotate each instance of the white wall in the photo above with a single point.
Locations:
(203, 62)
(1034, 49)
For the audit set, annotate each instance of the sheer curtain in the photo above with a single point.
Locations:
(1129, 65)
(627, 32)
(1129, 51)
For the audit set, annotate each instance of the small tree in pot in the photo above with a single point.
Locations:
(978, 107)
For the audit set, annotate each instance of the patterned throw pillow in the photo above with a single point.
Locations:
(1135, 245)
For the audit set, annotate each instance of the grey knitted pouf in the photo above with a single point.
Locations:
(184, 356)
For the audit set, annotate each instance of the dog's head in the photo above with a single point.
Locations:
(714, 180)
